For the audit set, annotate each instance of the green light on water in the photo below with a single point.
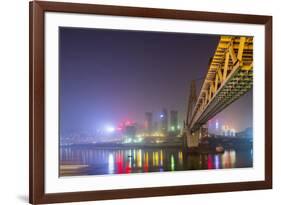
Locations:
(172, 163)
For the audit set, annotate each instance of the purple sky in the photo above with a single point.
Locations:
(107, 76)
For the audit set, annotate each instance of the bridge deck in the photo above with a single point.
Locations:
(230, 75)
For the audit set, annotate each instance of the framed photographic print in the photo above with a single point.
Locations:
(138, 102)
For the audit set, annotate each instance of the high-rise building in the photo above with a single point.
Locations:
(155, 127)
(164, 121)
(174, 123)
(148, 122)
(130, 133)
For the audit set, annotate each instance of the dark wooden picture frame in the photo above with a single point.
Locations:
(37, 193)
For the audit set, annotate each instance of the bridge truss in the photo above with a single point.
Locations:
(229, 76)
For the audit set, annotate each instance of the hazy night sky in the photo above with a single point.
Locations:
(107, 76)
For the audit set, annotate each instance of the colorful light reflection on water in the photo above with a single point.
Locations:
(120, 161)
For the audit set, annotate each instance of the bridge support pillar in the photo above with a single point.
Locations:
(193, 139)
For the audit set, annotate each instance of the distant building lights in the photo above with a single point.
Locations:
(233, 132)
(109, 129)
(217, 125)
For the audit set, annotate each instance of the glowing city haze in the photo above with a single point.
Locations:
(107, 80)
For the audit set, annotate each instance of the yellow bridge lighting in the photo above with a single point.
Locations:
(229, 76)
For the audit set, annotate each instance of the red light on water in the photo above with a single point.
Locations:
(210, 162)
(119, 162)
(128, 168)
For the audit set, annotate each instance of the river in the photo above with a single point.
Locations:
(80, 160)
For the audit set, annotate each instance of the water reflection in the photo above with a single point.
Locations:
(172, 163)
(217, 161)
(118, 161)
(110, 164)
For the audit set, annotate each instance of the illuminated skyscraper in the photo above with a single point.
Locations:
(148, 122)
(164, 121)
(174, 124)
(155, 127)
(130, 133)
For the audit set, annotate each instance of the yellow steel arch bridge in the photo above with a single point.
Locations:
(229, 76)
